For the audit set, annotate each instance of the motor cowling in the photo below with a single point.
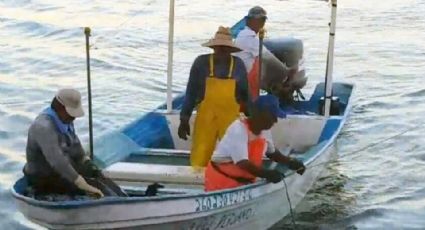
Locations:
(288, 51)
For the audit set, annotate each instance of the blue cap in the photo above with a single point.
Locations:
(257, 12)
(270, 103)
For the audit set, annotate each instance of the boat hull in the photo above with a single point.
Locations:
(254, 207)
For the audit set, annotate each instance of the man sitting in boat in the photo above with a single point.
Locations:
(217, 86)
(237, 159)
(56, 162)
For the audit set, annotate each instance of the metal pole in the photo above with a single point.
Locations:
(329, 64)
(260, 57)
(87, 33)
(170, 58)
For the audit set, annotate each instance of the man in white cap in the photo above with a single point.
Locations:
(56, 161)
(274, 72)
(217, 86)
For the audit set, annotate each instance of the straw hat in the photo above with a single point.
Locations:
(223, 37)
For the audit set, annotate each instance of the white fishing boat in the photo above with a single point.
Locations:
(148, 150)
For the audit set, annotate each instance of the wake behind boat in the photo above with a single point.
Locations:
(148, 151)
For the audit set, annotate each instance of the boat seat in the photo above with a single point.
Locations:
(141, 172)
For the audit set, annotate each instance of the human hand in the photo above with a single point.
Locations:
(95, 193)
(83, 185)
(91, 169)
(184, 129)
(273, 176)
(297, 165)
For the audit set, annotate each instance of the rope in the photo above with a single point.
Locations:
(96, 39)
(183, 42)
(369, 145)
(353, 152)
(290, 204)
(127, 20)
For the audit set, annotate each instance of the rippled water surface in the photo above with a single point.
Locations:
(379, 46)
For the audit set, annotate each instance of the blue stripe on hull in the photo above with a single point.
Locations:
(329, 129)
(151, 131)
(341, 90)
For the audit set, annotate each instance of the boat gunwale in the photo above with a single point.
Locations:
(123, 200)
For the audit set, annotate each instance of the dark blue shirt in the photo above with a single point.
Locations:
(199, 72)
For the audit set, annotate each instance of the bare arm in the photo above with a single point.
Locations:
(293, 164)
(278, 157)
(271, 175)
(251, 168)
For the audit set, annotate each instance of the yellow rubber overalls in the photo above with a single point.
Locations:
(215, 113)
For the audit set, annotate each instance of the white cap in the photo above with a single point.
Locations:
(71, 99)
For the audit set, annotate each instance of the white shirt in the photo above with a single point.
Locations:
(233, 147)
(248, 41)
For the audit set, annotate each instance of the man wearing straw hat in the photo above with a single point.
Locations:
(56, 161)
(217, 86)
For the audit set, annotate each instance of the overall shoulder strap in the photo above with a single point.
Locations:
(211, 63)
(232, 63)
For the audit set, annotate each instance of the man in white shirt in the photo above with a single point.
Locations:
(249, 42)
(237, 159)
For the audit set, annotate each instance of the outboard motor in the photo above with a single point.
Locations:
(288, 51)
(335, 106)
